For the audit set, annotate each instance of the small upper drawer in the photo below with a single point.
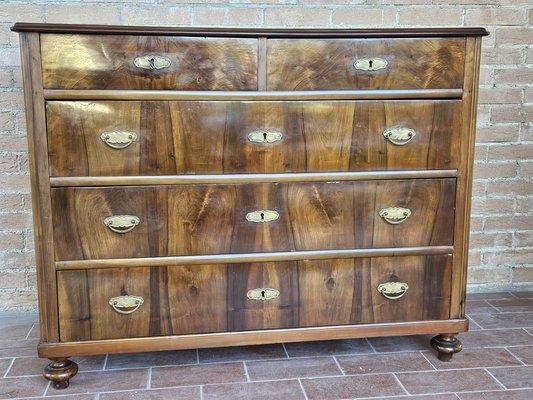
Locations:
(148, 62)
(337, 64)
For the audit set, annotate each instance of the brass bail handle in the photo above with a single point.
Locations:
(118, 139)
(122, 223)
(126, 304)
(395, 215)
(399, 136)
(393, 290)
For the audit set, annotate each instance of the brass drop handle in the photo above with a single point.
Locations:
(122, 223)
(264, 136)
(399, 136)
(262, 294)
(126, 304)
(118, 139)
(262, 216)
(395, 215)
(393, 290)
(370, 64)
(152, 62)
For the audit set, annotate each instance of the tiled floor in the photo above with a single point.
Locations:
(496, 364)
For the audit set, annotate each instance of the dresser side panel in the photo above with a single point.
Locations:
(40, 185)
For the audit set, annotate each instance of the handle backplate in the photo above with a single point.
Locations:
(262, 216)
(393, 290)
(370, 64)
(264, 136)
(395, 215)
(126, 304)
(122, 223)
(118, 139)
(399, 136)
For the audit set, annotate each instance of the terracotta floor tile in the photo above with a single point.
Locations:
(292, 368)
(34, 365)
(401, 343)
(489, 296)
(514, 377)
(525, 353)
(378, 363)
(91, 382)
(472, 326)
(504, 320)
(447, 381)
(495, 338)
(4, 365)
(87, 396)
(513, 305)
(16, 328)
(523, 295)
(182, 393)
(480, 306)
(282, 390)
(18, 348)
(188, 375)
(244, 353)
(476, 358)
(11, 388)
(500, 395)
(450, 396)
(347, 387)
(328, 347)
(150, 359)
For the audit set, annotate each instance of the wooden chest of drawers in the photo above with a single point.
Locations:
(200, 188)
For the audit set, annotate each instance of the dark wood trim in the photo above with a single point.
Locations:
(247, 178)
(250, 257)
(231, 32)
(62, 94)
(40, 186)
(226, 339)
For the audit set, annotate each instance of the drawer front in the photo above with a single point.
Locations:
(328, 64)
(241, 218)
(148, 62)
(93, 304)
(181, 137)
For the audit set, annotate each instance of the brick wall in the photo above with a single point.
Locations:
(501, 254)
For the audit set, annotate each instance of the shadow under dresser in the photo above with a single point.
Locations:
(217, 187)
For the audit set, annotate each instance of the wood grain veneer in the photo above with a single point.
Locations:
(191, 176)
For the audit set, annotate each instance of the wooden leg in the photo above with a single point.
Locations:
(59, 371)
(446, 344)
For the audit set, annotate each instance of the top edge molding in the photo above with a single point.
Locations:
(246, 32)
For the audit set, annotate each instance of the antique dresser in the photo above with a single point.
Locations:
(215, 187)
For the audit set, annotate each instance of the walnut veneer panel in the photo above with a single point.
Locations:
(327, 64)
(212, 298)
(108, 62)
(206, 137)
(212, 219)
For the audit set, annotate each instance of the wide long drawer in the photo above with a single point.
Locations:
(329, 64)
(148, 62)
(149, 221)
(213, 137)
(135, 302)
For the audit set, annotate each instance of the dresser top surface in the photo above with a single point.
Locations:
(247, 32)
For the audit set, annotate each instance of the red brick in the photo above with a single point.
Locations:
(363, 16)
(431, 16)
(500, 56)
(524, 206)
(526, 169)
(474, 2)
(529, 55)
(479, 188)
(511, 152)
(6, 80)
(163, 15)
(8, 164)
(11, 203)
(7, 123)
(17, 78)
(16, 221)
(522, 274)
(478, 275)
(11, 241)
(509, 223)
(481, 152)
(490, 206)
(524, 239)
(483, 115)
(513, 76)
(512, 114)
(514, 36)
(494, 170)
(495, 16)
(94, 14)
(16, 143)
(494, 95)
(9, 57)
(227, 16)
(14, 184)
(526, 133)
(498, 133)
(489, 240)
(509, 257)
(297, 17)
(17, 260)
(520, 187)
(476, 224)
(24, 300)
(486, 76)
(12, 280)
(16, 12)
(11, 101)
(474, 257)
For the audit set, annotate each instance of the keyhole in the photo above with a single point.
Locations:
(369, 63)
(262, 215)
(262, 293)
(151, 61)
(264, 135)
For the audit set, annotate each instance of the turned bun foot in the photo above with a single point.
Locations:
(59, 371)
(446, 345)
